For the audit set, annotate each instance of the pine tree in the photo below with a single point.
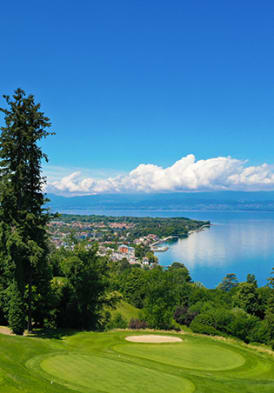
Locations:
(23, 235)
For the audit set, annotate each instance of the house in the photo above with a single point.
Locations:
(124, 249)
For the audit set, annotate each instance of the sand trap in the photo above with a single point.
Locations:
(153, 338)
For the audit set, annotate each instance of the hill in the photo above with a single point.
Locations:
(225, 200)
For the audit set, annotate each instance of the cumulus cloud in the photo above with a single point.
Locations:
(186, 174)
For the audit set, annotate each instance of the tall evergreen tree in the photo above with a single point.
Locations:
(23, 235)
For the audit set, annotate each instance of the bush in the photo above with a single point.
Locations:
(205, 319)
(118, 322)
(223, 318)
(184, 316)
(198, 327)
(242, 324)
(137, 324)
(259, 333)
(180, 314)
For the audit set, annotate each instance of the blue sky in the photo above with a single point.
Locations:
(127, 83)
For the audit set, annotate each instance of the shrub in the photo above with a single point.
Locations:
(205, 319)
(242, 325)
(137, 324)
(259, 333)
(184, 316)
(201, 328)
(118, 322)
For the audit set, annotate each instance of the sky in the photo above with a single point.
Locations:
(147, 96)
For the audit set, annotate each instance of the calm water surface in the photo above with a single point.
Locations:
(237, 242)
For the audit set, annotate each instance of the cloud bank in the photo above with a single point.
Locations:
(187, 174)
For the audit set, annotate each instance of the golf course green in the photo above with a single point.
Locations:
(106, 363)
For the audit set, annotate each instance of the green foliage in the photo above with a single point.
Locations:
(251, 279)
(259, 333)
(242, 324)
(247, 298)
(180, 272)
(263, 295)
(269, 315)
(133, 285)
(229, 281)
(117, 322)
(201, 328)
(160, 300)
(141, 250)
(128, 311)
(81, 297)
(271, 279)
(15, 309)
(23, 235)
(184, 316)
(198, 294)
(151, 257)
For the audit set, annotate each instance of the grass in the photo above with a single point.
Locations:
(191, 355)
(90, 362)
(127, 311)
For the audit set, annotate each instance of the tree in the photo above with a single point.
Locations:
(229, 281)
(271, 279)
(151, 257)
(180, 270)
(133, 284)
(160, 300)
(251, 279)
(23, 235)
(269, 315)
(83, 294)
(247, 298)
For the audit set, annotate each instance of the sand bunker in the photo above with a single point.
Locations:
(153, 338)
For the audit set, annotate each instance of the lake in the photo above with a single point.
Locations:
(237, 242)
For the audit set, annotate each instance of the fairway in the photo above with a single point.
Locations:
(90, 362)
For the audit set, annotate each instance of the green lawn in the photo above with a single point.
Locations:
(105, 362)
(127, 311)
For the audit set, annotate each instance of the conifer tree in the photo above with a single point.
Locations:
(23, 235)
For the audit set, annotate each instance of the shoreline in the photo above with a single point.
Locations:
(178, 237)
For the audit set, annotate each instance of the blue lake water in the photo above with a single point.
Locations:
(237, 242)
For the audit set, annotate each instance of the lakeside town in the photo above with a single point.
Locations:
(133, 239)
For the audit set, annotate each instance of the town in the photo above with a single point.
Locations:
(133, 239)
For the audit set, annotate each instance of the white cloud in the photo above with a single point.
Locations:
(187, 174)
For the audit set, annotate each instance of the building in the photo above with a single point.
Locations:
(124, 249)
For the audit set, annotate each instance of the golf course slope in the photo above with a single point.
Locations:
(113, 362)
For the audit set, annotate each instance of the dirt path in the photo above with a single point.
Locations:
(6, 330)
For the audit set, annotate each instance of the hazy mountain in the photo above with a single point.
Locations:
(225, 200)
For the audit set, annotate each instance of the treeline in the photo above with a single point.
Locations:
(169, 299)
(78, 292)
(160, 226)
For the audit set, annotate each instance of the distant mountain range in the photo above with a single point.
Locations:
(222, 201)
